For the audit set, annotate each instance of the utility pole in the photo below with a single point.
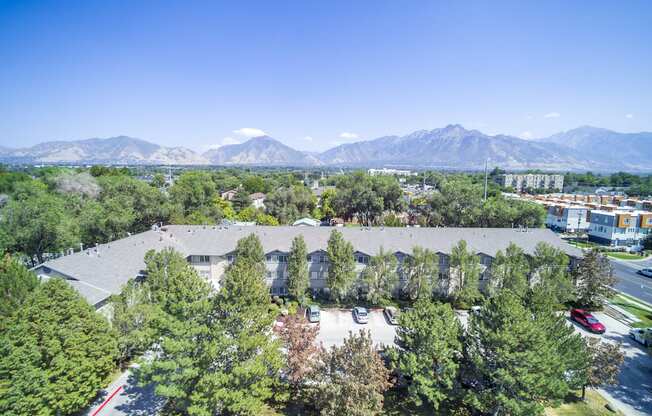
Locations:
(485, 178)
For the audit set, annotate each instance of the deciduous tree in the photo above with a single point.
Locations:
(464, 275)
(421, 271)
(351, 379)
(298, 281)
(604, 363)
(341, 267)
(16, 284)
(380, 276)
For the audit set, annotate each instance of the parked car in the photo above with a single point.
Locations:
(391, 313)
(642, 335)
(312, 313)
(360, 315)
(587, 320)
(645, 272)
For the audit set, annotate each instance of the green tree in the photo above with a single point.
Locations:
(351, 379)
(133, 320)
(249, 252)
(16, 284)
(464, 274)
(186, 335)
(429, 339)
(550, 270)
(380, 277)
(288, 204)
(37, 223)
(158, 181)
(514, 362)
(604, 363)
(421, 271)
(195, 191)
(594, 279)
(510, 271)
(245, 369)
(56, 354)
(341, 267)
(298, 281)
(241, 200)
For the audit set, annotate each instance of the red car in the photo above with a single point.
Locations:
(587, 320)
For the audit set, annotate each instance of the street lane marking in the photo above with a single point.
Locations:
(106, 401)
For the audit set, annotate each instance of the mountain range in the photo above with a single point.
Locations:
(451, 147)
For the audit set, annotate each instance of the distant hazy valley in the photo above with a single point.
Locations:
(451, 147)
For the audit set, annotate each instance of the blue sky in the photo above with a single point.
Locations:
(317, 73)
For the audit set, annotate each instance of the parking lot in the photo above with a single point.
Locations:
(336, 324)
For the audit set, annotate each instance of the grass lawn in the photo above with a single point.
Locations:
(645, 315)
(582, 244)
(624, 256)
(574, 406)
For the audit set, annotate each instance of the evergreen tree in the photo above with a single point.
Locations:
(341, 267)
(421, 271)
(429, 339)
(186, 336)
(16, 283)
(510, 271)
(299, 281)
(550, 270)
(243, 369)
(380, 276)
(55, 355)
(465, 275)
(514, 364)
(594, 280)
(351, 379)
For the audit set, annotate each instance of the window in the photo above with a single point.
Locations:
(279, 274)
(314, 275)
(283, 259)
(322, 258)
(200, 259)
(268, 257)
(230, 258)
(309, 258)
(362, 259)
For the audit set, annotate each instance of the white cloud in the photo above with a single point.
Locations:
(308, 138)
(250, 132)
(527, 135)
(348, 135)
(554, 114)
(224, 142)
(630, 116)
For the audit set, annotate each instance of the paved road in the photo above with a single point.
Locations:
(633, 393)
(125, 398)
(631, 283)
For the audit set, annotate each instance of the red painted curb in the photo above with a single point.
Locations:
(108, 399)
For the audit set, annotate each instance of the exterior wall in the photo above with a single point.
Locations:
(616, 229)
(567, 219)
(544, 181)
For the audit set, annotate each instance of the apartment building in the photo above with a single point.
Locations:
(567, 218)
(619, 228)
(520, 182)
(99, 272)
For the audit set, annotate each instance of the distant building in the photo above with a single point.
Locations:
(258, 200)
(520, 182)
(229, 195)
(619, 228)
(567, 218)
(306, 222)
(392, 172)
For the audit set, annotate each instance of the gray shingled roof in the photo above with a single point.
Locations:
(106, 270)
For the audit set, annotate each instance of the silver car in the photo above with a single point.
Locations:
(642, 335)
(360, 315)
(312, 313)
(645, 272)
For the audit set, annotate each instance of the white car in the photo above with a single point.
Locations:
(645, 272)
(642, 335)
(360, 315)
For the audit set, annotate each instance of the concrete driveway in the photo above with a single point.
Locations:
(633, 393)
(335, 325)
